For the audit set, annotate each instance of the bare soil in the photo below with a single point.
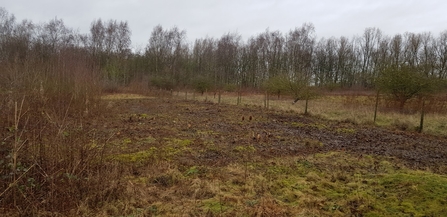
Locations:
(273, 134)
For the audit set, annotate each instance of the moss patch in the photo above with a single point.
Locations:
(136, 157)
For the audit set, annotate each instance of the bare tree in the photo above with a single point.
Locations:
(368, 46)
(300, 43)
(396, 50)
(167, 52)
(428, 54)
(252, 74)
(97, 34)
(441, 53)
(412, 46)
(346, 62)
(56, 35)
(227, 63)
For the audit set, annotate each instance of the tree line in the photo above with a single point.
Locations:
(170, 61)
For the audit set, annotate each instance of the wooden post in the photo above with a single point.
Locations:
(239, 98)
(421, 124)
(265, 100)
(376, 106)
(307, 102)
(268, 100)
(266, 103)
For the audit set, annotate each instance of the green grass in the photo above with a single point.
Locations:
(136, 157)
(170, 147)
(413, 192)
(326, 184)
(336, 183)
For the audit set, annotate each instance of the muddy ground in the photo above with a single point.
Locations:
(272, 134)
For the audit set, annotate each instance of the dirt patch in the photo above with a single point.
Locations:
(219, 133)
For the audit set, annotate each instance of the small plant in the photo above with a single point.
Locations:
(192, 171)
(401, 125)
(202, 85)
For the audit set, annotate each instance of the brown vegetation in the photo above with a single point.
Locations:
(69, 149)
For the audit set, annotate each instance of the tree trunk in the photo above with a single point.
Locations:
(401, 105)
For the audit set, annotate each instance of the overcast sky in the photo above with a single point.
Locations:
(213, 18)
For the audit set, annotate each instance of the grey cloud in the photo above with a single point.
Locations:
(213, 18)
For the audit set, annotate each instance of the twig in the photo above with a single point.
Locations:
(15, 182)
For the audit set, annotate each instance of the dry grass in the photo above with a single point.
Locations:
(72, 173)
(353, 108)
(330, 184)
(122, 96)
